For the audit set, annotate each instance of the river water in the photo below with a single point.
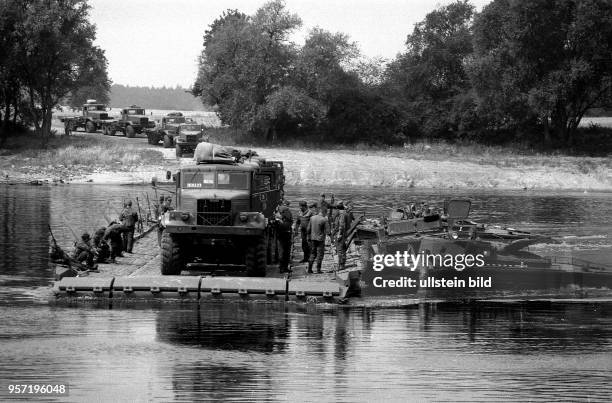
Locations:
(441, 352)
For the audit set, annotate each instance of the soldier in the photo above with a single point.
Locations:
(100, 247)
(342, 225)
(129, 218)
(285, 222)
(83, 253)
(318, 228)
(323, 205)
(301, 225)
(113, 236)
(159, 212)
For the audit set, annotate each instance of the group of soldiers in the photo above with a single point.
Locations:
(108, 242)
(315, 221)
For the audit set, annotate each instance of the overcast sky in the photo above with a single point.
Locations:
(157, 42)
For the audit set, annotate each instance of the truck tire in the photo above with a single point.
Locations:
(172, 257)
(130, 132)
(167, 141)
(90, 127)
(179, 152)
(255, 258)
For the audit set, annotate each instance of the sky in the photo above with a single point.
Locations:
(157, 42)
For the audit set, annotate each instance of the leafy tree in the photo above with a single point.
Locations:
(545, 62)
(246, 59)
(99, 84)
(429, 77)
(55, 56)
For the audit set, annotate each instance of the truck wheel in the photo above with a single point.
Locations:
(172, 257)
(130, 132)
(90, 127)
(255, 259)
(167, 141)
(179, 153)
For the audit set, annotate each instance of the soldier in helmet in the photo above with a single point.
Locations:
(83, 252)
(129, 218)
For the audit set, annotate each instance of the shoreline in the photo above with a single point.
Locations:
(340, 169)
(393, 168)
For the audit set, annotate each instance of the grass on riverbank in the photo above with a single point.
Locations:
(72, 155)
(506, 156)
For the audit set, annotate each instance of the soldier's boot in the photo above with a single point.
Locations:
(310, 267)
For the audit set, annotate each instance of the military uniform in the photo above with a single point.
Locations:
(113, 236)
(285, 221)
(342, 224)
(129, 218)
(100, 247)
(301, 223)
(83, 253)
(318, 228)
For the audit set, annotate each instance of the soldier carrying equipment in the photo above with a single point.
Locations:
(128, 218)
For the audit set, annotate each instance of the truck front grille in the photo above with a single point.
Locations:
(214, 212)
(144, 121)
(191, 138)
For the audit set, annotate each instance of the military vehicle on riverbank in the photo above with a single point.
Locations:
(187, 138)
(167, 129)
(225, 209)
(131, 121)
(93, 115)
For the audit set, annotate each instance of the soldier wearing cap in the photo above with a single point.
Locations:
(83, 252)
(318, 228)
(301, 225)
(128, 218)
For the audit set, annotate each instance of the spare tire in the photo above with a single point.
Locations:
(90, 127)
(130, 132)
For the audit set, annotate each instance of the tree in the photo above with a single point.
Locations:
(56, 55)
(246, 59)
(429, 77)
(98, 86)
(544, 62)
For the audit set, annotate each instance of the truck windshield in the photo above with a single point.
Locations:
(191, 128)
(134, 111)
(215, 180)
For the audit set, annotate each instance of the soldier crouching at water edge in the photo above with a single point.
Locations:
(100, 247)
(129, 218)
(285, 223)
(113, 236)
(318, 228)
(83, 252)
(301, 224)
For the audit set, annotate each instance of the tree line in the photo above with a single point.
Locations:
(176, 98)
(516, 70)
(46, 55)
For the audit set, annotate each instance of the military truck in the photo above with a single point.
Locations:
(131, 121)
(224, 212)
(187, 137)
(93, 115)
(167, 129)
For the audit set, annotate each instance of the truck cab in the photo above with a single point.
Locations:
(225, 211)
(187, 137)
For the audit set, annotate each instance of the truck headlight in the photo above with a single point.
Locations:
(185, 216)
(243, 217)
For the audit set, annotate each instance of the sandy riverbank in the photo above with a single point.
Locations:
(393, 168)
